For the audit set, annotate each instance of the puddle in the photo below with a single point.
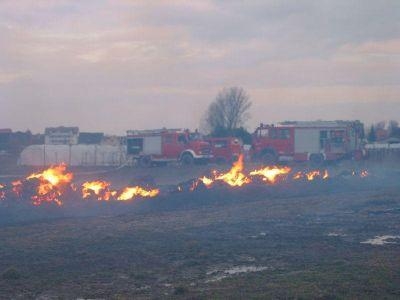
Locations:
(221, 274)
(261, 234)
(382, 240)
(336, 234)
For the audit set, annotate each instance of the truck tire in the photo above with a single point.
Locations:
(187, 159)
(268, 158)
(145, 162)
(316, 160)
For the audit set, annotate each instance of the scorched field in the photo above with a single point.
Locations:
(195, 232)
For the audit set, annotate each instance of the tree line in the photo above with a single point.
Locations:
(384, 131)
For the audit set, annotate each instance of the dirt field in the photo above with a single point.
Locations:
(333, 239)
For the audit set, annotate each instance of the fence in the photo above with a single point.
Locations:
(73, 155)
(383, 152)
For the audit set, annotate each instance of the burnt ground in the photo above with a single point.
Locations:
(294, 240)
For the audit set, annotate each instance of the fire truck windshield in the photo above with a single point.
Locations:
(195, 136)
(182, 139)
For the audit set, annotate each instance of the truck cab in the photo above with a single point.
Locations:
(269, 143)
(225, 149)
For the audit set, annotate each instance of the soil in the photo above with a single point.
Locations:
(293, 240)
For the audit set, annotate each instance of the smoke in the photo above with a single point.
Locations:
(58, 192)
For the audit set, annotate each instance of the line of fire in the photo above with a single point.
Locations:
(54, 184)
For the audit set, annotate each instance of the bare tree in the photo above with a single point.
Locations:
(229, 111)
(393, 128)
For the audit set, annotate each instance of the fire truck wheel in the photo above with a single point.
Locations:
(268, 158)
(316, 159)
(187, 159)
(145, 162)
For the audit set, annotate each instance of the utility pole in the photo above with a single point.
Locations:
(69, 158)
(44, 154)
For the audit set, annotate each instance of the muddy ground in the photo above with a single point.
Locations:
(294, 240)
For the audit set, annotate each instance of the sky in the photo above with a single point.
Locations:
(111, 66)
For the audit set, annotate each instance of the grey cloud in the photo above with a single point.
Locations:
(121, 62)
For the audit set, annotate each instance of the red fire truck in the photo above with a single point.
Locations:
(314, 141)
(225, 149)
(164, 145)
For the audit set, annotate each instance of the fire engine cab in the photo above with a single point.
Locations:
(225, 149)
(301, 141)
(165, 145)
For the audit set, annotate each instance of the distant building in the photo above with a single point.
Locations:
(12, 143)
(90, 138)
(113, 140)
(5, 135)
(61, 135)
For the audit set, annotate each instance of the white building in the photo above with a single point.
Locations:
(73, 155)
(61, 135)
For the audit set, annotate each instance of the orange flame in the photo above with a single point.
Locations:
(51, 182)
(99, 188)
(235, 177)
(298, 175)
(271, 174)
(17, 187)
(2, 193)
(131, 192)
(206, 181)
(53, 175)
(312, 175)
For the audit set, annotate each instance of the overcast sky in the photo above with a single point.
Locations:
(117, 65)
